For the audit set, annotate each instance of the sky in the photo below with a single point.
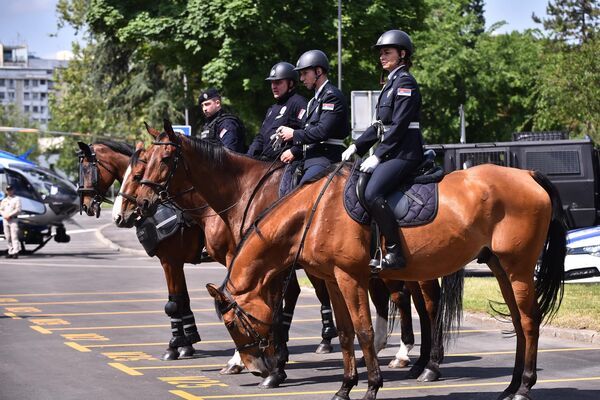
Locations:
(32, 22)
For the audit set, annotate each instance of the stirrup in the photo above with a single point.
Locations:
(376, 263)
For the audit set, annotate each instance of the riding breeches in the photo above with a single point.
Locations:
(11, 232)
(314, 166)
(387, 176)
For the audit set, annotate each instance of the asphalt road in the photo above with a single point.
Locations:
(83, 320)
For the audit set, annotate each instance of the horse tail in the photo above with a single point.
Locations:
(450, 308)
(550, 275)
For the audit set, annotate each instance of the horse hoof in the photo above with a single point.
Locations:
(338, 397)
(521, 397)
(396, 363)
(171, 354)
(186, 352)
(324, 348)
(273, 380)
(506, 396)
(231, 369)
(429, 375)
(414, 372)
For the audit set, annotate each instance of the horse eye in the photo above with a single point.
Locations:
(166, 159)
(137, 178)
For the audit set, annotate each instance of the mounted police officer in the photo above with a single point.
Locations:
(221, 127)
(320, 141)
(398, 132)
(289, 110)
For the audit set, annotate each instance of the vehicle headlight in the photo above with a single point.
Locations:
(592, 250)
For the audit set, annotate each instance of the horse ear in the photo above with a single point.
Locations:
(85, 148)
(215, 292)
(151, 130)
(139, 145)
(168, 127)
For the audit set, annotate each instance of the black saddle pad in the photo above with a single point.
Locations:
(413, 203)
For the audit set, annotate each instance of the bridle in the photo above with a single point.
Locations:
(93, 163)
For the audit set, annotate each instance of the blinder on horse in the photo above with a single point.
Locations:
(87, 153)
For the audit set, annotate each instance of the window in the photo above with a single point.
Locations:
(42, 109)
(26, 96)
(26, 82)
(11, 95)
(554, 162)
(34, 82)
(35, 109)
(2, 95)
(26, 108)
(43, 96)
(11, 83)
(36, 96)
(42, 81)
(2, 82)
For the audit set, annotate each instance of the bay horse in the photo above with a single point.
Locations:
(221, 239)
(213, 166)
(505, 216)
(100, 164)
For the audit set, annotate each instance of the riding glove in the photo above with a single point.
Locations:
(369, 164)
(348, 152)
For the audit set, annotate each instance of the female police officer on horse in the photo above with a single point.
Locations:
(400, 149)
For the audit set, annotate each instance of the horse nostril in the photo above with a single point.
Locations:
(118, 220)
(146, 205)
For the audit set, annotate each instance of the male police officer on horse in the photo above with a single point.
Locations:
(398, 132)
(221, 126)
(326, 124)
(288, 110)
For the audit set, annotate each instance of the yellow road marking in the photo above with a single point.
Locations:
(22, 309)
(49, 321)
(103, 301)
(83, 314)
(78, 347)
(195, 366)
(40, 329)
(12, 315)
(89, 293)
(126, 369)
(4, 300)
(429, 386)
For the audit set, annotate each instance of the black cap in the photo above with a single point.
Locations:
(9, 187)
(208, 94)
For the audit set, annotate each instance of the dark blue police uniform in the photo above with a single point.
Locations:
(289, 110)
(401, 147)
(226, 128)
(326, 125)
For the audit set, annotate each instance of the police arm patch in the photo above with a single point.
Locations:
(223, 132)
(301, 113)
(404, 92)
(328, 106)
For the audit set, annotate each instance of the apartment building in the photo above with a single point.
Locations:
(26, 81)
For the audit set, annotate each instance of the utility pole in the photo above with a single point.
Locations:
(185, 96)
(463, 133)
(340, 44)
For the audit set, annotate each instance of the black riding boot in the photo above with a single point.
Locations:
(386, 220)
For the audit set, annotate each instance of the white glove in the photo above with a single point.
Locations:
(369, 164)
(348, 152)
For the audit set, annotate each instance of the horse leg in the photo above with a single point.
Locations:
(183, 325)
(281, 336)
(234, 366)
(426, 329)
(355, 294)
(509, 294)
(400, 298)
(379, 294)
(430, 291)
(328, 331)
(346, 336)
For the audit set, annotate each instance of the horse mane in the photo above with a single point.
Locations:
(119, 147)
(135, 157)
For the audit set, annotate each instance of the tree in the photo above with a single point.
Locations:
(17, 142)
(571, 20)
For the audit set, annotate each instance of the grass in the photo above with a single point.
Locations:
(580, 308)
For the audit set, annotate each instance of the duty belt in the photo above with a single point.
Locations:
(337, 142)
(412, 125)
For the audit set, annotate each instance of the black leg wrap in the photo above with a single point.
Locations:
(189, 328)
(177, 304)
(329, 331)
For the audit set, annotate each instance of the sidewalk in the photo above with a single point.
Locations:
(125, 240)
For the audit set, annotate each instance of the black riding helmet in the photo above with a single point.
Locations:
(395, 38)
(282, 70)
(313, 59)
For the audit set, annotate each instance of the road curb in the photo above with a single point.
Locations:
(101, 237)
(577, 335)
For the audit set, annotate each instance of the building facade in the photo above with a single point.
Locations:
(26, 81)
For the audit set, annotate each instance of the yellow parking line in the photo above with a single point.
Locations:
(12, 315)
(103, 301)
(126, 369)
(429, 386)
(40, 329)
(90, 293)
(78, 347)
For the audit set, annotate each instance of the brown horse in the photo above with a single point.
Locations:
(100, 164)
(504, 215)
(222, 235)
(212, 166)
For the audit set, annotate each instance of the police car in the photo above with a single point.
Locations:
(582, 263)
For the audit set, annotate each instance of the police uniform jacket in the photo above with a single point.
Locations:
(225, 128)
(399, 109)
(10, 207)
(326, 124)
(289, 110)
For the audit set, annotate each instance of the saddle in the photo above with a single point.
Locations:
(414, 202)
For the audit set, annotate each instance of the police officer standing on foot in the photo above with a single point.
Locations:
(397, 129)
(289, 110)
(10, 207)
(320, 141)
(221, 127)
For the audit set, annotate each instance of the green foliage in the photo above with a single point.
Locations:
(14, 142)
(572, 20)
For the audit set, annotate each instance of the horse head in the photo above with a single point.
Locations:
(125, 210)
(93, 182)
(250, 334)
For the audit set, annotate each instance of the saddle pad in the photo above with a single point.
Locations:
(413, 204)
(287, 179)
